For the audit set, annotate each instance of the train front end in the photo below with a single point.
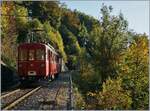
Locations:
(31, 61)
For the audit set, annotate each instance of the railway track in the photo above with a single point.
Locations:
(9, 93)
(54, 95)
(11, 99)
(50, 102)
(59, 96)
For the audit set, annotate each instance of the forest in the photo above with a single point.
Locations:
(109, 61)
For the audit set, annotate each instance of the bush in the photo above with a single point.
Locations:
(79, 102)
(113, 96)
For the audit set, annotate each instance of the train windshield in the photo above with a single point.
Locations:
(40, 54)
(23, 54)
(31, 54)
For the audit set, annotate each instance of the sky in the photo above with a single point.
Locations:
(135, 12)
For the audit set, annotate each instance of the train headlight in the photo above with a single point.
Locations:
(42, 65)
(20, 65)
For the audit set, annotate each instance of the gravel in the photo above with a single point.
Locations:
(45, 98)
(9, 99)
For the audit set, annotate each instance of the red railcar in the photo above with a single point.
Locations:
(37, 60)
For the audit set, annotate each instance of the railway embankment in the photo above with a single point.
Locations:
(9, 78)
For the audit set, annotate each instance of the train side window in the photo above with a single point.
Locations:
(40, 54)
(31, 54)
(23, 54)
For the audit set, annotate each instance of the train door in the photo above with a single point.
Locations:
(31, 64)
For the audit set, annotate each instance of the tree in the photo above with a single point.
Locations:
(9, 34)
(82, 36)
(45, 11)
(87, 20)
(134, 71)
(72, 47)
(110, 43)
(71, 21)
(21, 19)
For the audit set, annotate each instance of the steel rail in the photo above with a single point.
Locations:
(70, 101)
(14, 103)
(5, 95)
(55, 98)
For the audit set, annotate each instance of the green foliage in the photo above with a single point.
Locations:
(46, 11)
(55, 39)
(109, 44)
(135, 71)
(82, 36)
(113, 96)
(87, 20)
(35, 24)
(72, 47)
(79, 103)
(93, 42)
(8, 34)
(21, 14)
(71, 21)
(21, 20)
(87, 79)
(25, 32)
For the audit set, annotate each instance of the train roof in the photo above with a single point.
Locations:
(51, 48)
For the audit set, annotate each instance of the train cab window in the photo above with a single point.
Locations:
(31, 54)
(40, 54)
(23, 54)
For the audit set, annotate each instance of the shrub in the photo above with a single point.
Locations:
(79, 102)
(113, 96)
